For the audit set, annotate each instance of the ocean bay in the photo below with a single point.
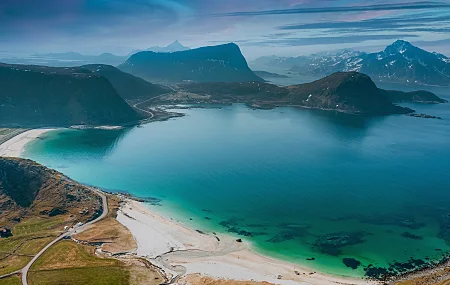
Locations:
(296, 183)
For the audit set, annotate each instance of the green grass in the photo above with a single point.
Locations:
(11, 244)
(68, 254)
(35, 225)
(3, 255)
(13, 280)
(81, 276)
(29, 237)
(70, 263)
(29, 230)
(32, 247)
(13, 263)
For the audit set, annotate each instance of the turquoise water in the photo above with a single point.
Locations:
(298, 184)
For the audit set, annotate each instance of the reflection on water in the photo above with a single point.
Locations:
(85, 144)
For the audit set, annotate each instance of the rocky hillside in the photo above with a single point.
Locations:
(350, 92)
(39, 95)
(345, 91)
(30, 189)
(223, 63)
(128, 86)
(405, 63)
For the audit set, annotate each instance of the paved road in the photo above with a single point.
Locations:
(153, 98)
(10, 274)
(67, 234)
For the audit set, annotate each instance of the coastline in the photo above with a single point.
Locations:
(15, 146)
(181, 251)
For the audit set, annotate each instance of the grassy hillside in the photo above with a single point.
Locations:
(38, 95)
(127, 86)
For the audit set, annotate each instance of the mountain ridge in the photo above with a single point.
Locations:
(205, 64)
(349, 92)
(40, 95)
(400, 62)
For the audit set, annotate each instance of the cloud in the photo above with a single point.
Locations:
(343, 9)
(329, 40)
(373, 24)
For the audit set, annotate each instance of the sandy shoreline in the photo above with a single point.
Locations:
(181, 250)
(15, 146)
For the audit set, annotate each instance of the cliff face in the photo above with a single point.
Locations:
(224, 63)
(30, 189)
(38, 95)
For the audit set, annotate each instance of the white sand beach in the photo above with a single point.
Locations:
(15, 146)
(181, 250)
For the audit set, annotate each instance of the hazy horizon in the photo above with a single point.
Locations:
(283, 27)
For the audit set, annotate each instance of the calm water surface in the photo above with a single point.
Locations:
(299, 184)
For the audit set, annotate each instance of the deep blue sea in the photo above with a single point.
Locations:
(315, 188)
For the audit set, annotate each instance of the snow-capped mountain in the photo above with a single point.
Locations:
(400, 62)
(403, 62)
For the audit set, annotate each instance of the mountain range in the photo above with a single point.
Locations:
(400, 62)
(207, 64)
(173, 47)
(349, 92)
(74, 59)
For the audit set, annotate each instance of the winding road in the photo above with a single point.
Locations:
(77, 230)
(153, 98)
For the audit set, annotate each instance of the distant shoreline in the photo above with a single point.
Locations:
(14, 146)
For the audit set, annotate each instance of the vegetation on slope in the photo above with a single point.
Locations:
(350, 92)
(36, 203)
(128, 86)
(39, 95)
(347, 91)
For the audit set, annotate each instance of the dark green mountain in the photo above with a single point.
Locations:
(420, 96)
(39, 95)
(223, 63)
(128, 86)
(349, 92)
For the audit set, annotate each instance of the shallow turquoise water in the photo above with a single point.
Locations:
(294, 180)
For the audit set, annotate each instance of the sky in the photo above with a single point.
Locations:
(259, 27)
